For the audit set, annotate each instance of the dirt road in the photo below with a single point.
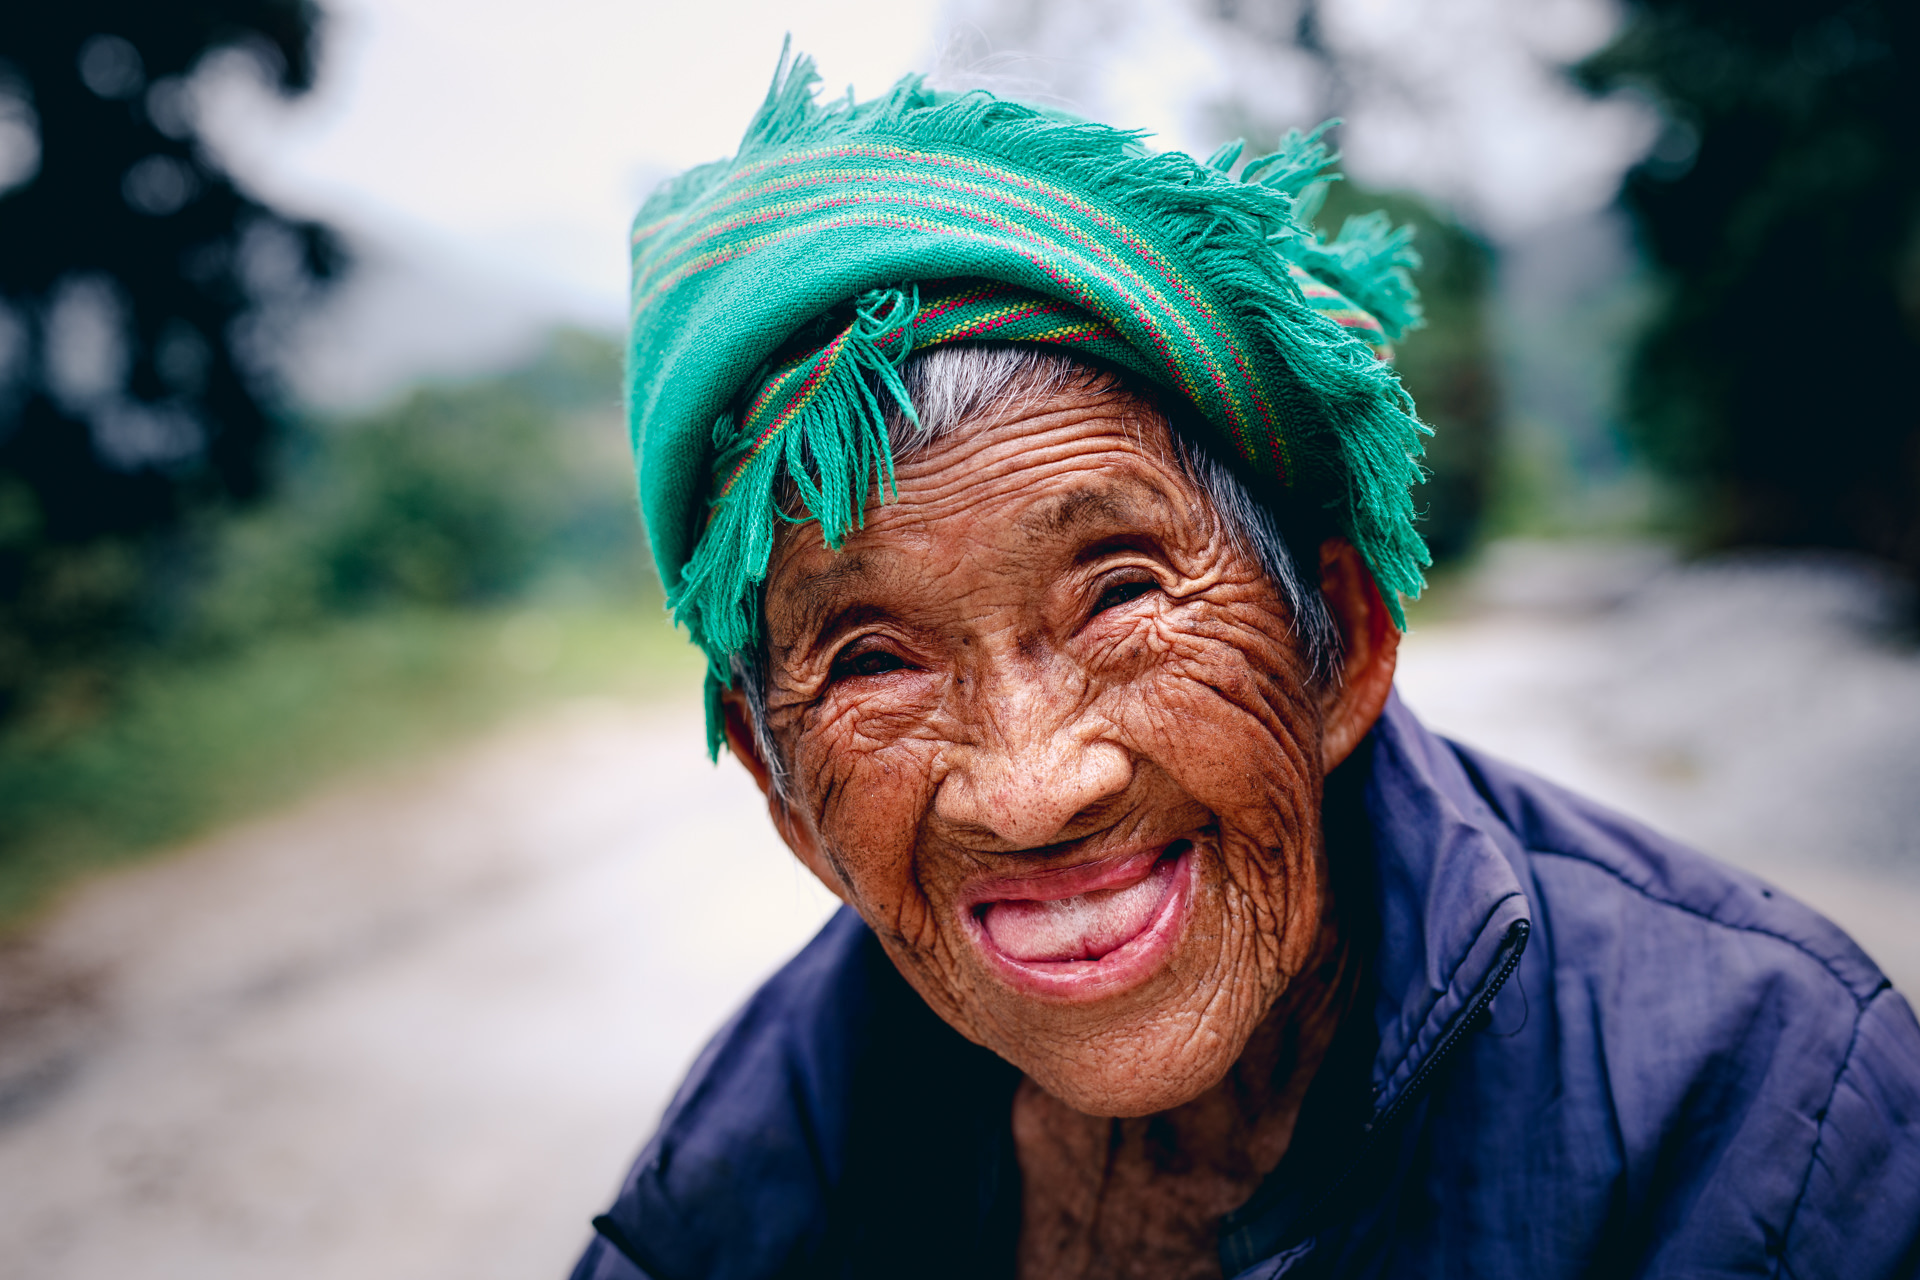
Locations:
(415, 1028)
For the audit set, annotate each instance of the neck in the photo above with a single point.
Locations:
(1245, 1123)
(1145, 1195)
(1253, 1110)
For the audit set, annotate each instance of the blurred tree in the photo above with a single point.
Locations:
(1783, 206)
(139, 293)
(455, 496)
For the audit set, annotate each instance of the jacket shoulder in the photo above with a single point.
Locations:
(1551, 822)
(1759, 1074)
(803, 1142)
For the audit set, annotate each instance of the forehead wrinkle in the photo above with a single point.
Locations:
(1107, 504)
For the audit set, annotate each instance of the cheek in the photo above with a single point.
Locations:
(866, 800)
(1223, 708)
(1226, 715)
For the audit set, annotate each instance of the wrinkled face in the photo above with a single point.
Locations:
(1050, 736)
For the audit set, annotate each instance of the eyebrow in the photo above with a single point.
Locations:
(1082, 507)
(817, 597)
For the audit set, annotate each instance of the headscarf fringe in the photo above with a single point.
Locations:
(832, 452)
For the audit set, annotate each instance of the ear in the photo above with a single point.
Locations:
(793, 827)
(1370, 646)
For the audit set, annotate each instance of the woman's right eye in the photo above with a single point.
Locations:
(867, 662)
(1120, 593)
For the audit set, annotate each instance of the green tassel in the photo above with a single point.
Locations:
(1371, 262)
(1300, 161)
(831, 452)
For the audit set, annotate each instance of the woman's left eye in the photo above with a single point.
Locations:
(1120, 593)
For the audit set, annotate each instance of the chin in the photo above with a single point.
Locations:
(1129, 1078)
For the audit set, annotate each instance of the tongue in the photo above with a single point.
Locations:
(1082, 928)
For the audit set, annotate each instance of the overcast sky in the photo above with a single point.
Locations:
(530, 131)
(488, 155)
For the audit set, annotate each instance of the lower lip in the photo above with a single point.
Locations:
(1126, 966)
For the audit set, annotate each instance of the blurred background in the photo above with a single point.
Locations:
(363, 889)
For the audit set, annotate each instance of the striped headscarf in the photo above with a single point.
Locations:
(777, 295)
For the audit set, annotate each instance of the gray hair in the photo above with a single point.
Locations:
(953, 386)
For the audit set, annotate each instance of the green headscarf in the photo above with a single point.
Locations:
(776, 296)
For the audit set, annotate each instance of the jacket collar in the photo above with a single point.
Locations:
(1407, 831)
(1447, 891)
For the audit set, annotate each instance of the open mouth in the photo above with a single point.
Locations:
(1090, 929)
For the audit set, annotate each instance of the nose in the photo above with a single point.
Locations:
(1038, 773)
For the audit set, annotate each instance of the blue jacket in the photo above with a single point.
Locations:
(1590, 1053)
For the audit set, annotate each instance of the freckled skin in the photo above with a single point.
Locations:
(1048, 652)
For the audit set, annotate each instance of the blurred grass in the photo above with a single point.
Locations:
(194, 743)
(421, 572)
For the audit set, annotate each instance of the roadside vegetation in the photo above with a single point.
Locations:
(424, 572)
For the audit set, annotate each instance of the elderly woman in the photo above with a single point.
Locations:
(1042, 505)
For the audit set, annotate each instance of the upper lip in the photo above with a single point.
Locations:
(1115, 870)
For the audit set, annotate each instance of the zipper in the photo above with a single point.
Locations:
(1514, 944)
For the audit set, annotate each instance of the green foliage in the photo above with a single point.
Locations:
(1782, 208)
(424, 569)
(141, 292)
(458, 496)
